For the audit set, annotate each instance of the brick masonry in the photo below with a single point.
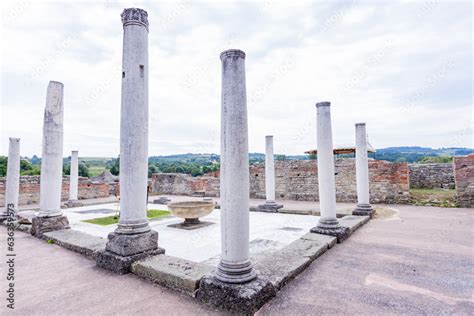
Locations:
(432, 176)
(464, 177)
(30, 189)
(298, 180)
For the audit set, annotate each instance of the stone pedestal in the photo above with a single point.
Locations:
(123, 250)
(50, 216)
(362, 173)
(328, 223)
(41, 225)
(12, 189)
(270, 203)
(132, 240)
(244, 298)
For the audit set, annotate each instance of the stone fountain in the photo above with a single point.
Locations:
(191, 211)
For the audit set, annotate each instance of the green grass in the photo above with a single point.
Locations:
(95, 170)
(109, 220)
(433, 197)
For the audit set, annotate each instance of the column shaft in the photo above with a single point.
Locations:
(74, 176)
(13, 178)
(362, 172)
(269, 170)
(134, 125)
(52, 157)
(235, 266)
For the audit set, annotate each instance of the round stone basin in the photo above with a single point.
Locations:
(191, 210)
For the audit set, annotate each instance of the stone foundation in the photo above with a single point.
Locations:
(432, 176)
(41, 225)
(244, 298)
(464, 177)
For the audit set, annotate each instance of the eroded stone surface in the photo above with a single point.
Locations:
(41, 225)
(77, 241)
(353, 222)
(244, 298)
(127, 245)
(176, 273)
(122, 264)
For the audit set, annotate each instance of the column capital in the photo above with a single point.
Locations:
(135, 16)
(324, 103)
(360, 124)
(232, 53)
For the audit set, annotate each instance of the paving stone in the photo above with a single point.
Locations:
(176, 273)
(77, 241)
(330, 240)
(353, 222)
(285, 264)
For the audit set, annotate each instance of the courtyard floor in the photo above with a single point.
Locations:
(418, 261)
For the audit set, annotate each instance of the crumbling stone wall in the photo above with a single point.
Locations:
(464, 177)
(184, 184)
(298, 180)
(30, 189)
(432, 176)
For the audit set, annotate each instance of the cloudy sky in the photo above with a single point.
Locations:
(405, 68)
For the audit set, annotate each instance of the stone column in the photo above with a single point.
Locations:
(270, 203)
(74, 180)
(133, 239)
(328, 223)
(362, 173)
(13, 181)
(234, 285)
(235, 266)
(50, 216)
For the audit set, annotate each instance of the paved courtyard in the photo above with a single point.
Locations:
(418, 261)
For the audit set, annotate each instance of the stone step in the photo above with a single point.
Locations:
(176, 273)
(284, 265)
(353, 222)
(77, 241)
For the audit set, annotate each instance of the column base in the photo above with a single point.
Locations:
(235, 273)
(74, 203)
(41, 225)
(238, 298)
(364, 210)
(270, 206)
(331, 227)
(124, 249)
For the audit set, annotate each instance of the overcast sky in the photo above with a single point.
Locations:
(404, 68)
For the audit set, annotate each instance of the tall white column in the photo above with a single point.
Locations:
(52, 157)
(328, 223)
(270, 203)
(74, 176)
(235, 266)
(362, 172)
(134, 123)
(13, 179)
(133, 239)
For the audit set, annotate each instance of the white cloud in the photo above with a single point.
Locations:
(402, 67)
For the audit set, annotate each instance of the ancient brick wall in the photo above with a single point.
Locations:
(464, 177)
(184, 184)
(432, 176)
(298, 180)
(30, 189)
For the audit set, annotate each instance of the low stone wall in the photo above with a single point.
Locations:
(298, 180)
(30, 189)
(432, 176)
(464, 177)
(184, 184)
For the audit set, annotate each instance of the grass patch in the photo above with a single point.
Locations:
(96, 170)
(433, 197)
(109, 220)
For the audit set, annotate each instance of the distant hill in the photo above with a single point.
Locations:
(415, 153)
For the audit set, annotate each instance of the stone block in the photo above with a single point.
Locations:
(85, 244)
(353, 222)
(330, 240)
(122, 264)
(175, 273)
(284, 265)
(41, 225)
(127, 245)
(341, 233)
(244, 298)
